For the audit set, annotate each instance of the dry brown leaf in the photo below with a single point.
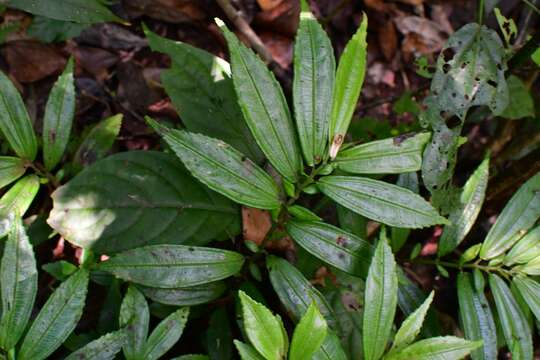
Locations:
(388, 39)
(94, 60)
(174, 11)
(422, 36)
(282, 19)
(255, 224)
(280, 47)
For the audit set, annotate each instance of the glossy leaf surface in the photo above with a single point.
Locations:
(308, 335)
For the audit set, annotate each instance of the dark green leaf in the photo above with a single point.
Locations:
(137, 198)
(57, 318)
(50, 30)
(349, 79)
(60, 270)
(476, 318)
(135, 317)
(380, 301)
(332, 245)
(103, 348)
(19, 285)
(265, 108)
(202, 91)
(308, 335)
(521, 103)
(514, 323)
(166, 334)
(518, 216)
(313, 86)
(99, 141)
(463, 217)
(411, 326)
(352, 222)
(58, 118)
(187, 296)
(223, 168)
(444, 347)
(389, 156)
(247, 352)
(263, 329)
(526, 249)
(110, 310)
(11, 168)
(530, 291)
(380, 201)
(81, 11)
(301, 213)
(219, 337)
(173, 266)
(15, 123)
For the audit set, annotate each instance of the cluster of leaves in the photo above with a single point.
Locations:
(154, 213)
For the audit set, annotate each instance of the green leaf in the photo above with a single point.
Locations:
(104, 348)
(135, 317)
(58, 118)
(17, 200)
(444, 347)
(173, 266)
(219, 335)
(57, 318)
(514, 323)
(521, 103)
(411, 326)
(265, 108)
(308, 335)
(302, 213)
(349, 79)
(313, 86)
(532, 267)
(389, 156)
(507, 26)
(60, 270)
(15, 123)
(138, 198)
(80, 11)
(222, 168)
(19, 285)
(11, 168)
(166, 334)
(263, 329)
(518, 216)
(462, 218)
(476, 318)
(187, 296)
(380, 301)
(50, 30)
(192, 357)
(536, 56)
(380, 201)
(332, 245)
(202, 92)
(99, 141)
(351, 221)
(247, 352)
(526, 249)
(331, 348)
(530, 291)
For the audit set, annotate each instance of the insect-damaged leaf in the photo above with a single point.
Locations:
(138, 198)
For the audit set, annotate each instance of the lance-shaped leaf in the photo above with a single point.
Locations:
(15, 123)
(135, 316)
(308, 335)
(526, 249)
(173, 266)
(518, 216)
(219, 338)
(530, 291)
(531, 268)
(389, 156)
(513, 322)
(313, 86)
(223, 168)
(79, 11)
(57, 318)
(476, 318)
(349, 79)
(444, 347)
(17, 200)
(411, 326)
(247, 352)
(98, 142)
(166, 334)
(380, 301)
(332, 245)
(104, 348)
(139, 198)
(187, 296)
(11, 168)
(380, 201)
(202, 92)
(265, 108)
(263, 329)
(463, 217)
(19, 285)
(58, 117)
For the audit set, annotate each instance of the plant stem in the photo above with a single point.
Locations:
(486, 268)
(532, 6)
(481, 12)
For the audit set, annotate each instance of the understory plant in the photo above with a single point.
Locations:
(159, 230)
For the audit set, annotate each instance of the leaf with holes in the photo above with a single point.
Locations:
(138, 198)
